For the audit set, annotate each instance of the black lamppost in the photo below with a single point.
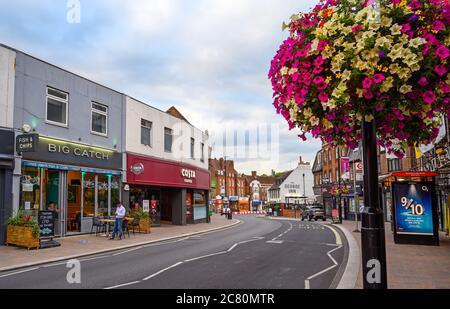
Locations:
(373, 241)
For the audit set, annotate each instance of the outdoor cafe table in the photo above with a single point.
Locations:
(112, 220)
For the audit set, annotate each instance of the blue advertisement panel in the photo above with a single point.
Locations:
(414, 208)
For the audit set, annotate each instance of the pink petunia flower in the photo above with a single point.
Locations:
(322, 86)
(318, 61)
(423, 81)
(323, 97)
(440, 70)
(378, 78)
(443, 52)
(429, 97)
(367, 83)
(415, 5)
(318, 80)
(438, 26)
(406, 28)
(368, 95)
(322, 45)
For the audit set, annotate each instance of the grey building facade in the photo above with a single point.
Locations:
(77, 164)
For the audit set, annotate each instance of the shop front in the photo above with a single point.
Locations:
(6, 172)
(178, 194)
(80, 181)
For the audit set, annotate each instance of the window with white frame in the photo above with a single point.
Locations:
(99, 119)
(146, 133)
(57, 111)
(168, 140)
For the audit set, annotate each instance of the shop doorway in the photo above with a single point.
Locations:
(74, 203)
(148, 197)
(167, 196)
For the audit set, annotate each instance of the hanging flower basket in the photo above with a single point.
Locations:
(351, 61)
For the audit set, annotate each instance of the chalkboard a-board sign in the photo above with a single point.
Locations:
(47, 224)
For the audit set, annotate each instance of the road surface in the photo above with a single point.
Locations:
(257, 254)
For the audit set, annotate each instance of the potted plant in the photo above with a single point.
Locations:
(23, 231)
(145, 222)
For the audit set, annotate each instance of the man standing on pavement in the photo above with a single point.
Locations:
(120, 216)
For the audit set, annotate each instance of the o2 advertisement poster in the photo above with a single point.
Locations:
(414, 208)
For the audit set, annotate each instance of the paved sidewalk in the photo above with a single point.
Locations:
(78, 246)
(412, 267)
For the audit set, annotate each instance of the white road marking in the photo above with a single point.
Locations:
(163, 270)
(122, 285)
(307, 281)
(277, 242)
(281, 235)
(19, 272)
(205, 256)
(127, 251)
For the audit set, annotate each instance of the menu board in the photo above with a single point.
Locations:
(46, 220)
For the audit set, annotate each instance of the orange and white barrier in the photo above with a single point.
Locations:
(250, 213)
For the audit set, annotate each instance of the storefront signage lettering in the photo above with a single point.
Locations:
(27, 143)
(78, 151)
(189, 174)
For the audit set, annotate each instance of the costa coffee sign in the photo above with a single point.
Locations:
(137, 168)
(161, 173)
(188, 173)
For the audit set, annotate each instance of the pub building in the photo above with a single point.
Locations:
(173, 185)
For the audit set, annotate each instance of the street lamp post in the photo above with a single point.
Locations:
(356, 198)
(373, 240)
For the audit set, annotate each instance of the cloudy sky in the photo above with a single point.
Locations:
(209, 58)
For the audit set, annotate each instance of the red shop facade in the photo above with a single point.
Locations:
(173, 193)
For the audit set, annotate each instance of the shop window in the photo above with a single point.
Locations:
(103, 196)
(57, 107)
(115, 191)
(89, 195)
(199, 205)
(30, 190)
(99, 118)
(146, 133)
(168, 140)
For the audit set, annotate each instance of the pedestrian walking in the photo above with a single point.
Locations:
(120, 216)
(270, 212)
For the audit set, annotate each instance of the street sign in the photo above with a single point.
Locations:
(27, 143)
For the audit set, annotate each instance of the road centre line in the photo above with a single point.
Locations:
(161, 271)
(187, 261)
(122, 285)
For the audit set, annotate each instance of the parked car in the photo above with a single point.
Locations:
(315, 212)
